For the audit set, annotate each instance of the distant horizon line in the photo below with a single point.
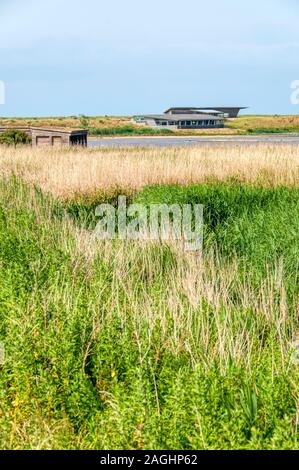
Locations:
(40, 116)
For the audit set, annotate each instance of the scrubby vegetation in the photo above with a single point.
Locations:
(130, 130)
(119, 344)
(123, 125)
(14, 137)
(265, 124)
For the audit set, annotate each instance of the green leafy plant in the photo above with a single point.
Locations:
(249, 406)
(14, 137)
(84, 121)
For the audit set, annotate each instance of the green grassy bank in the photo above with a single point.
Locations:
(126, 345)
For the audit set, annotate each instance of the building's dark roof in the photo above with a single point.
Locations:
(224, 107)
(194, 108)
(183, 117)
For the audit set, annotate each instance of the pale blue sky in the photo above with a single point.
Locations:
(65, 57)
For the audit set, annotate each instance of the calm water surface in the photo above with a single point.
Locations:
(190, 141)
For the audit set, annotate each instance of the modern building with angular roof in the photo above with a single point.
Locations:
(183, 121)
(230, 112)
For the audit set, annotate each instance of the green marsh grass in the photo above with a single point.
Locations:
(121, 345)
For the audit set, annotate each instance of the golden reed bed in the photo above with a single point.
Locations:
(70, 172)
